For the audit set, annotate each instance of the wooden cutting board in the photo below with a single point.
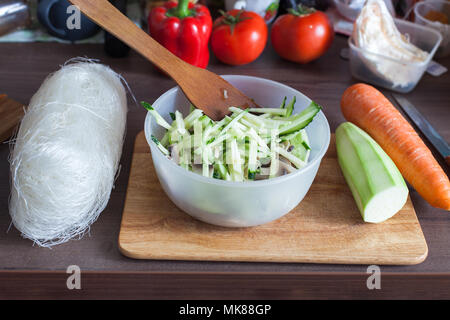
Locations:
(10, 114)
(326, 227)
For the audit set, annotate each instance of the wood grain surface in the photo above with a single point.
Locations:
(222, 285)
(10, 114)
(27, 270)
(325, 228)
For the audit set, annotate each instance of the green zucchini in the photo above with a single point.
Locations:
(375, 182)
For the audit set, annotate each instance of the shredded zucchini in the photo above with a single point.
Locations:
(250, 144)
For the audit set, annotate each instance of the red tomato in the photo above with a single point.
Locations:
(303, 36)
(238, 37)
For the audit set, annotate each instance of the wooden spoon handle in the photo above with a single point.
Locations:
(111, 19)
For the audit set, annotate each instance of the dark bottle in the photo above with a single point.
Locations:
(113, 46)
(321, 5)
(214, 6)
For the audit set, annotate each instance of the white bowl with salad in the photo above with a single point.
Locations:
(250, 168)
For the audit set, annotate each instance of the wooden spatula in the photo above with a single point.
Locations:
(204, 89)
(10, 114)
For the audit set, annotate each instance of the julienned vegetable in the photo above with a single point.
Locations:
(376, 184)
(249, 144)
(369, 109)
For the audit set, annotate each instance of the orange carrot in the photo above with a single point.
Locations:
(369, 109)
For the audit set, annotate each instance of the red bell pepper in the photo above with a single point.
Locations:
(184, 29)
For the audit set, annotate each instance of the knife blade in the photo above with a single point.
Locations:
(427, 129)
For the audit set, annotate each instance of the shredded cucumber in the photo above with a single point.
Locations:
(301, 120)
(250, 144)
(160, 120)
(290, 107)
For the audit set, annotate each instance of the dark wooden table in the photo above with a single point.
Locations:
(32, 272)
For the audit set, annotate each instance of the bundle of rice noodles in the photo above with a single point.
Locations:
(66, 153)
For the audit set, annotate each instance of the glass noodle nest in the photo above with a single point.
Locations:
(66, 153)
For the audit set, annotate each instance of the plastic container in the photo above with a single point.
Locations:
(363, 63)
(348, 12)
(351, 11)
(237, 204)
(422, 8)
